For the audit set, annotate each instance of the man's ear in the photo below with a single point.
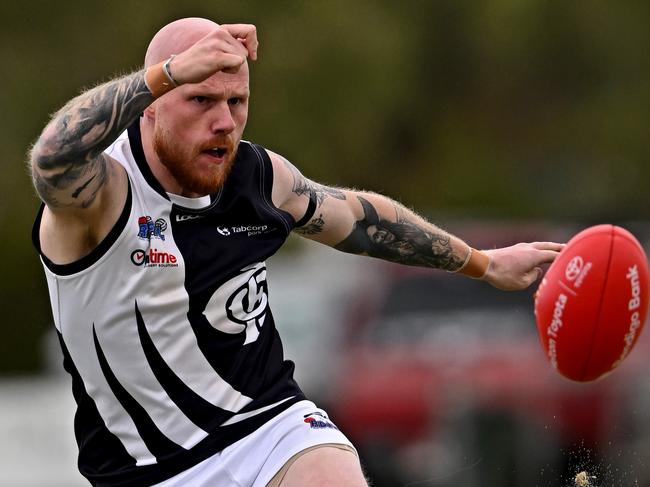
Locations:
(150, 112)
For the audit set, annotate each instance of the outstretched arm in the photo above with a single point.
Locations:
(370, 224)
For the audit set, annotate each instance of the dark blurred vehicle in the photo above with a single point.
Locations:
(446, 383)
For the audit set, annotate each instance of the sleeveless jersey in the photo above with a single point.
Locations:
(166, 328)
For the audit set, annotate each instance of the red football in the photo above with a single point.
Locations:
(592, 303)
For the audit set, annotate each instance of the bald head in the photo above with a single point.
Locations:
(176, 37)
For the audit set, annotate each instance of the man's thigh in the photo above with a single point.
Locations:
(326, 466)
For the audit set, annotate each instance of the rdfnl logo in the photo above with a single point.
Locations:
(250, 230)
(153, 258)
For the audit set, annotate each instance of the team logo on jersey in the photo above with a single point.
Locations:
(148, 229)
(318, 420)
(240, 304)
(153, 258)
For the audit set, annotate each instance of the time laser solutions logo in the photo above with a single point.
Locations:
(150, 229)
(153, 258)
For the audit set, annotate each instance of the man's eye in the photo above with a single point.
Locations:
(234, 101)
(200, 99)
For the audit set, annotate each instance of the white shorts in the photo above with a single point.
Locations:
(256, 458)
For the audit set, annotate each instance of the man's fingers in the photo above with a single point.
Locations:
(232, 63)
(548, 246)
(530, 277)
(547, 252)
(244, 31)
(546, 256)
(247, 35)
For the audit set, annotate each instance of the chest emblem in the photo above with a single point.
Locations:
(148, 228)
(240, 304)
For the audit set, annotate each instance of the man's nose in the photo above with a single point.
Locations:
(222, 121)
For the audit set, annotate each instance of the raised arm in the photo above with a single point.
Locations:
(67, 161)
(370, 224)
(68, 167)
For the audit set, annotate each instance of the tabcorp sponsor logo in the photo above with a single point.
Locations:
(248, 230)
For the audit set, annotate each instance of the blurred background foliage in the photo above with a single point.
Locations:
(534, 109)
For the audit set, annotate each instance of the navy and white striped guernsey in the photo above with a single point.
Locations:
(166, 328)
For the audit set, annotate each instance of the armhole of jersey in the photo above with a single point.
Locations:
(266, 187)
(311, 209)
(87, 260)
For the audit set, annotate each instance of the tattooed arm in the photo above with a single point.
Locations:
(370, 224)
(389, 231)
(68, 164)
(83, 188)
(365, 223)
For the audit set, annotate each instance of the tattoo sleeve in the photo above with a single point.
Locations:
(302, 185)
(314, 227)
(68, 166)
(405, 240)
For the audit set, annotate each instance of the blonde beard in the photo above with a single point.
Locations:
(179, 165)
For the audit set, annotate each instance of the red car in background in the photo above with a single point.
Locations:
(445, 383)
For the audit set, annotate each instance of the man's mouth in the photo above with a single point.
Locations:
(217, 152)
